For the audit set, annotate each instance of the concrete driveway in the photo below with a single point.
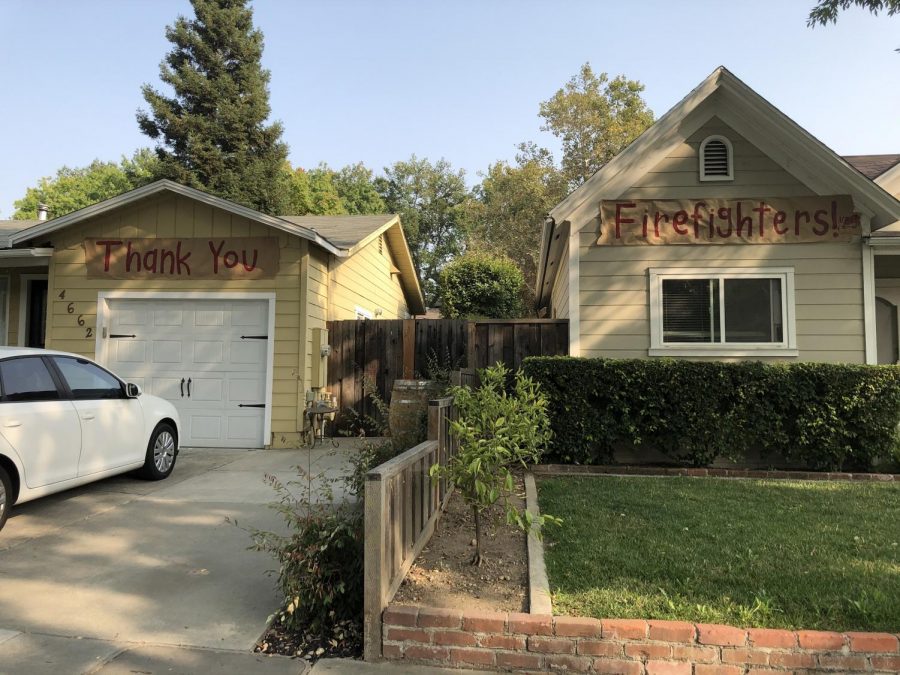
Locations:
(134, 562)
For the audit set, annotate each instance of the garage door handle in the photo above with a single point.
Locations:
(189, 387)
(121, 335)
(12, 424)
(254, 337)
(182, 387)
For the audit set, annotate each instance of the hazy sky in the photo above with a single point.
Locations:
(376, 81)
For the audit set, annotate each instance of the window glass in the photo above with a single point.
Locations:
(88, 381)
(27, 379)
(690, 310)
(753, 310)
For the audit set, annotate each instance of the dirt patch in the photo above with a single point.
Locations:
(442, 575)
(343, 641)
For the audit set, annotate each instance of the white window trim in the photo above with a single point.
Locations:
(702, 168)
(362, 313)
(788, 309)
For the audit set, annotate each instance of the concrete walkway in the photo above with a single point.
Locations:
(86, 573)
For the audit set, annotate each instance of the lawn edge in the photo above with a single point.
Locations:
(539, 599)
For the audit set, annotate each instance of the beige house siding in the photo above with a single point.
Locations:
(169, 215)
(365, 280)
(614, 281)
(559, 297)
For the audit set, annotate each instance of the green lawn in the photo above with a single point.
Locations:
(781, 554)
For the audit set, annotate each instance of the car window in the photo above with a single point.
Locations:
(88, 381)
(27, 379)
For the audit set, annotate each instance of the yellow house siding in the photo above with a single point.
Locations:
(169, 215)
(559, 297)
(614, 281)
(364, 280)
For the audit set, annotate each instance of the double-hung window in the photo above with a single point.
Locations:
(725, 312)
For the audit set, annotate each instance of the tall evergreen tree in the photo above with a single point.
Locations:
(212, 133)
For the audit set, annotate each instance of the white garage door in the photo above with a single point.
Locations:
(208, 357)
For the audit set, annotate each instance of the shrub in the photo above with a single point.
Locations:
(481, 285)
(826, 416)
(497, 430)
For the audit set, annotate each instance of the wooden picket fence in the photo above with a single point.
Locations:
(381, 351)
(402, 507)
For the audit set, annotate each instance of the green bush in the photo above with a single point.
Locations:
(481, 285)
(825, 416)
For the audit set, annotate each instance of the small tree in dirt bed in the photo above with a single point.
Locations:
(498, 430)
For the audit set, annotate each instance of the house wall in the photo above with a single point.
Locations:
(365, 280)
(614, 281)
(559, 297)
(168, 215)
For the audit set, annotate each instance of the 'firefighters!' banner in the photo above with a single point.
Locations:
(791, 220)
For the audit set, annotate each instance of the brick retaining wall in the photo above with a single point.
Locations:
(513, 641)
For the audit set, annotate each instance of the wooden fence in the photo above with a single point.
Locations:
(381, 351)
(402, 508)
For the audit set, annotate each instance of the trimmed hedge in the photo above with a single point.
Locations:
(825, 416)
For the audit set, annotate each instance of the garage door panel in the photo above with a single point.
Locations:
(199, 340)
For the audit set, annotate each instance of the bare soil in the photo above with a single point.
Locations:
(443, 576)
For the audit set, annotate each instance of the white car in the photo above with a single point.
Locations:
(65, 421)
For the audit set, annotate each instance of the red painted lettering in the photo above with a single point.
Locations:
(762, 210)
(132, 256)
(743, 222)
(797, 216)
(724, 213)
(182, 260)
(680, 218)
(778, 219)
(252, 266)
(216, 251)
(170, 256)
(656, 220)
(108, 244)
(619, 219)
(696, 218)
(150, 260)
(821, 223)
(231, 256)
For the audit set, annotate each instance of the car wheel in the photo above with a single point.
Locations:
(6, 496)
(161, 453)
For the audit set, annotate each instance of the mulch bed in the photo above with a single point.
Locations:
(344, 641)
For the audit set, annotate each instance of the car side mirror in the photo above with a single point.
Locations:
(132, 390)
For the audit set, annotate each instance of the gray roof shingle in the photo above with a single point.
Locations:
(342, 231)
(872, 166)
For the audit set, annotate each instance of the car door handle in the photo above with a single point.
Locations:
(88, 417)
(12, 424)
(182, 387)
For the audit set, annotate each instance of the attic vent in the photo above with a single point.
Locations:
(716, 160)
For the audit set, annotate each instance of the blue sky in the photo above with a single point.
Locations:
(356, 80)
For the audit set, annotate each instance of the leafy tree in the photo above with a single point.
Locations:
(431, 200)
(512, 203)
(498, 431)
(313, 192)
(827, 10)
(481, 285)
(355, 185)
(213, 133)
(73, 189)
(595, 118)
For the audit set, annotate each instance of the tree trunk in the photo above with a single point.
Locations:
(476, 559)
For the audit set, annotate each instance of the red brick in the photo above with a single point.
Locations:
(750, 657)
(599, 648)
(515, 642)
(484, 622)
(576, 626)
(772, 638)
(819, 639)
(888, 663)
(411, 634)
(695, 654)
(418, 653)
(617, 667)
(873, 642)
(480, 657)
(717, 669)
(757, 670)
(391, 651)
(400, 615)
(574, 664)
(792, 660)
(725, 636)
(843, 662)
(531, 624)
(431, 617)
(454, 638)
(625, 629)
(648, 651)
(520, 661)
(668, 668)
(547, 645)
(672, 631)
